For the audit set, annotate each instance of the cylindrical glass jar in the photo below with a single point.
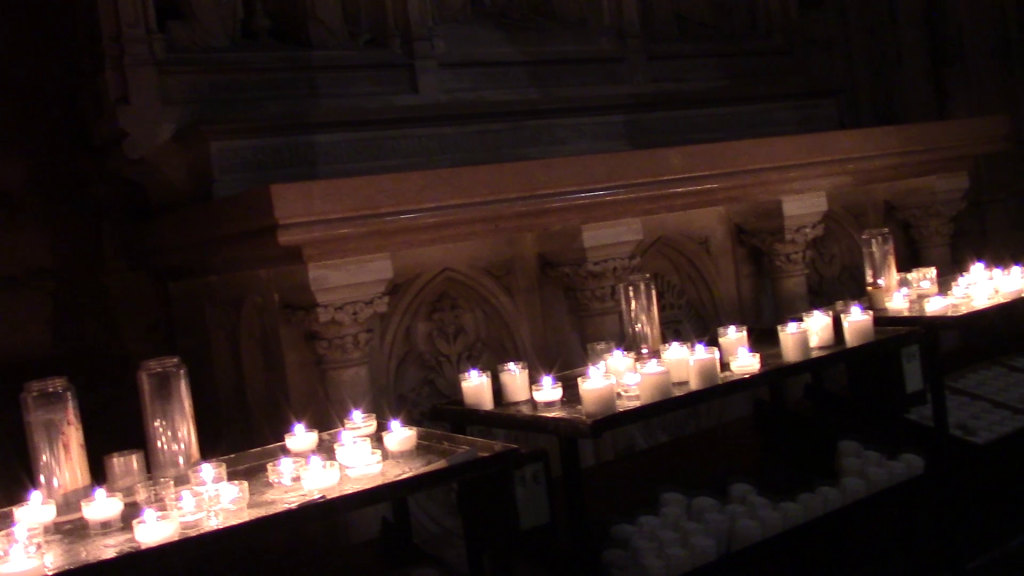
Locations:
(56, 443)
(640, 323)
(168, 417)
(880, 275)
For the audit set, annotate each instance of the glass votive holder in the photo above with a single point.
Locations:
(629, 389)
(477, 391)
(746, 362)
(321, 476)
(231, 502)
(925, 281)
(596, 351)
(619, 363)
(124, 470)
(731, 339)
(38, 510)
(400, 441)
(285, 475)
(597, 393)
(795, 341)
(208, 473)
(102, 511)
(547, 394)
(368, 468)
(676, 356)
(21, 550)
(154, 492)
(359, 424)
(156, 527)
(353, 450)
(821, 332)
(192, 512)
(897, 304)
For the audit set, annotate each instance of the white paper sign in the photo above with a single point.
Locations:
(913, 379)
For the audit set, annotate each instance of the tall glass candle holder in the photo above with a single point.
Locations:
(168, 417)
(56, 443)
(820, 328)
(124, 470)
(879, 265)
(476, 389)
(514, 378)
(731, 339)
(640, 322)
(597, 393)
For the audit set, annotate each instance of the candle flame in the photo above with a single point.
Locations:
(229, 491)
(855, 311)
(346, 437)
(546, 382)
(99, 494)
(357, 416)
(206, 473)
(1016, 271)
(396, 425)
(21, 532)
(731, 331)
(512, 367)
(149, 516)
(299, 429)
(472, 374)
(618, 354)
(742, 352)
(905, 291)
(897, 298)
(35, 498)
(792, 327)
(315, 462)
(188, 502)
(595, 371)
(631, 378)
(881, 281)
(698, 349)
(286, 465)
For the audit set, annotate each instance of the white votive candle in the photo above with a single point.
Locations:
(360, 424)
(320, 476)
(476, 390)
(515, 382)
(400, 439)
(731, 339)
(704, 370)
(877, 478)
(619, 363)
(676, 356)
(771, 521)
(745, 362)
(795, 341)
(858, 326)
(897, 303)
(655, 382)
(853, 489)
(597, 393)
(370, 467)
(38, 510)
(352, 450)
(103, 511)
(739, 492)
(300, 440)
(745, 531)
(820, 330)
(192, 513)
(812, 503)
(831, 498)
(793, 514)
(936, 306)
(547, 393)
(155, 528)
(20, 561)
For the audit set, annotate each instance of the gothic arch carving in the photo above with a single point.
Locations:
(442, 324)
(688, 300)
(835, 270)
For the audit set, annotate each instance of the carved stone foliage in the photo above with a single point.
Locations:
(341, 334)
(931, 225)
(787, 250)
(442, 325)
(592, 284)
(688, 301)
(835, 269)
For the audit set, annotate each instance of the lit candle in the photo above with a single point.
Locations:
(284, 473)
(233, 500)
(597, 393)
(476, 390)
(547, 393)
(704, 370)
(619, 363)
(360, 424)
(103, 511)
(655, 382)
(19, 561)
(207, 474)
(37, 510)
(352, 450)
(731, 339)
(795, 341)
(897, 303)
(745, 362)
(300, 440)
(676, 357)
(926, 281)
(319, 476)
(155, 528)
(191, 516)
(629, 389)
(370, 466)
(877, 294)
(820, 330)
(858, 326)
(400, 439)
(515, 382)
(936, 306)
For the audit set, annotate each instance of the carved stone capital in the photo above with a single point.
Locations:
(787, 250)
(341, 333)
(592, 284)
(931, 225)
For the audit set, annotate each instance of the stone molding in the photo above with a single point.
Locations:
(592, 284)
(788, 251)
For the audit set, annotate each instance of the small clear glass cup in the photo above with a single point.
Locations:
(324, 478)
(153, 492)
(208, 473)
(231, 502)
(285, 475)
(165, 528)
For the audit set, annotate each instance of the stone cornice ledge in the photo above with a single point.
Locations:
(322, 220)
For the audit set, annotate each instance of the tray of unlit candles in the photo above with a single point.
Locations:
(976, 421)
(309, 466)
(991, 382)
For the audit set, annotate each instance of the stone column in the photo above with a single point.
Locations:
(608, 249)
(351, 297)
(787, 249)
(930, 214)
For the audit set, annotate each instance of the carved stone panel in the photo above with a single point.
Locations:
(688, 301)
(835, 267)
